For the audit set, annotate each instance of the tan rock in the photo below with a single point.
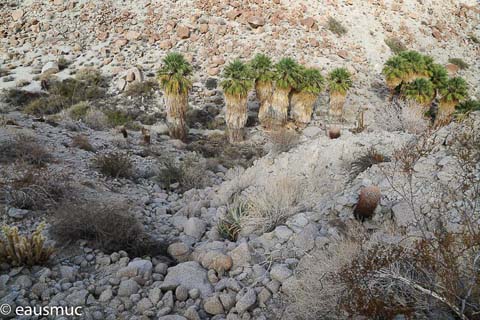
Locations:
(132, 35)
(308, 22)
(452, 69)
(203, 28)
(256, 21)
(166, 44)
(17, 14)
(121, 42)
(102, 36)
(343, 54)
(213, 71)
(183, 32)
(218, 61)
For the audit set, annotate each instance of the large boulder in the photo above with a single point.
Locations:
(190, 275)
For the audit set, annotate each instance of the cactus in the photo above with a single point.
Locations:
(18, 250)
(367, 203)
(334, 133)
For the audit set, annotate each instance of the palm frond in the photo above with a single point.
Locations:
(174, 74)
(339, 81)
(288, 73)
(454, 91)
(312, 81)
(237, 79)
(420, 90)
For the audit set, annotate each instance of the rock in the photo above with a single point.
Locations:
(217, 261)
(143, 267)
(203, 28)
(77, 298)
(67, 273)
(179, 251)
(132, 35)
(192, 314)
(121, 84)
(211, 83)
(245, 300)
(256, 21)
(181, 293)
(194, 293)
(23, 282)
(241, 255)
(17, 14)
(17, 213)
(106, 295)
(144, 305)
(190, 275)
(172, 317)
(312, 131)
(343, 54)
(155, 294)
(452, 69)
(283, 232)
(127, 288)
(403, 214)
(195, 227)
(183, 32)
(308, 22)
(212, 305)
(305, 240)
(228, 300)
(263, 296)
(280, 272)
(50, 67)
(167, 300)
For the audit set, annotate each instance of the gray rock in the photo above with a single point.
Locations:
(181, 293)
(68, 273)
(17, 213)
(212, 305)
(195, 227)
(312, 131)
(283, 232)
(127, 288)
(192, 314)
(172, 317)
(228, 300)
(167, 300)
(280, 272)
(155, 294)
(179, 251)
(305, 240)
(51, 67)
(77, 298)
(241, 255)
(144, 267)
(144, 305)
(245, 300)
(24, 282)
(190, 275)
(106, 295)
(263, 296)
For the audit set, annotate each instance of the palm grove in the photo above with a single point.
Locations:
(288, 90)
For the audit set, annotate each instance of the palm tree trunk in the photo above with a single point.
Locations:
(337, 100)
(445, 111)
(302, 107)
(177, 105)
(264, 92)
(235, 117)
(279, 110)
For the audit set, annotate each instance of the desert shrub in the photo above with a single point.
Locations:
(144, 89)
(114, 164)
(47, 105)
(283, 140)
(18, 98)
(403, 116)
(336, 27)
(4, 72)
(76, 90)
(473, 38)
(80, 141)
(63, 63)
(109, 226)
(203, 118)
(230, 226)
(366, 160)
(79, 110)
(22, 147)
(96, 119)
(273, 203)
(396, 45)
(216, 148)
(459, 63)
(33, 189)
(117, 118)
(91, 76)
(466, 107)
(189, 173)
(19, 250)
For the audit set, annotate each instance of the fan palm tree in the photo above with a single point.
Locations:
(421, 91)
(452, 93)
(438, 76)
(174, 79)
(262, 71)
(236, 85)
(287, 75)
(416, 65)
(304, 97)
(339, 82)
(395, 71)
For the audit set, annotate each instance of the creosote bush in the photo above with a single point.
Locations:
(19, 250)
(189, 173)
(459, 63)
(22, 147)
(114, 164)
(109, 226)
(396, 45)
(336, 27)
(81, 141)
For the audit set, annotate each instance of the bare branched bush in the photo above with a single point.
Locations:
(27, 188)
(189, 173)
(114, 164)
(403, 116)
(272, 204)
(283, 140)
(22, 147)
(109, 225)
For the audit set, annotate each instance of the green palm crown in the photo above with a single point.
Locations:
(312, 81)
(174, 74)
(237, 79)
(287, 73)
(339, 81)
(454, 90)
(262, 68)
(420, 90)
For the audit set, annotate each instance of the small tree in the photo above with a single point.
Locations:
(174, 79)
(339, 82)
(421, 91)
(236, 84)
(452, 93)
(304, 98)
(287, 75)
(263, 74)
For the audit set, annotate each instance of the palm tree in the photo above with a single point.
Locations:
(416, 65)
(174, 79)
(395, 71)
(287, 75)
(262, 71)
(304, 97)
(339, 82)
(421, 91)
(438, 76)
(452, 93)
(236, 85)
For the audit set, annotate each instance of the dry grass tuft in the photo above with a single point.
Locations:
(189, 173)
(230, 225)
(114, 164)
(336, 27)
(366, 160)
(25, 148)
(283, 140)
(81, 141)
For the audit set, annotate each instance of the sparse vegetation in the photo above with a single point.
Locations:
(366, 160)
(145, 89)
(283, 140)
(81, 141)
(336, 27)
(467, 106)
(63, 63)
(339, 82)
(109, 226)
(230, 225)
(22, 147)
(19, 250)
(396, 45)
(19, 98)
(117, 118)
(114, 164)
(79, 110)
(189, 174)
(459, 63)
